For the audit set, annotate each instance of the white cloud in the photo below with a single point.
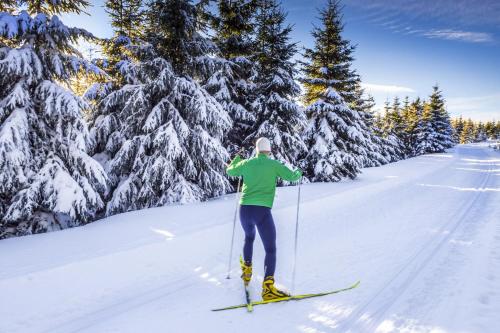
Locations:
(378, 88)
(457, 11)
(404, 16)
(477, 107)
(466, 36)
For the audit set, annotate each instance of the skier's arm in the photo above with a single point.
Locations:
(286, 174)
(235, 168)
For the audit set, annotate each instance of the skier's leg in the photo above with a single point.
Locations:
(247, 218)
(267, 232)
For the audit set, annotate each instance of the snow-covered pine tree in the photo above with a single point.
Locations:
(437, 133)
(480, 132)
(412, 118)
(122, 53)
(367, 107)
(458, 125)
(467, 132)
(159, 135)
(172, 131)
(47, 180)
(332, 136)
(329, 66)
(393, 141)
(401, 120)
(425, 136)
(378, 123)
(232, 81)
(495, 131)
(278, 115)
(440, 121)
(127, 21)
(376, 154)
(492, 130)
(394, 121)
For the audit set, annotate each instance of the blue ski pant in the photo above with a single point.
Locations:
(259, 217)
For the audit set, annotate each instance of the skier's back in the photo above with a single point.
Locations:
(260, 175)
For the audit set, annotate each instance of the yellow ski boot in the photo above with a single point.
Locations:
(270, 292)
(246, 272)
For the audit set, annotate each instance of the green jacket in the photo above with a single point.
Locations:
(259, 178)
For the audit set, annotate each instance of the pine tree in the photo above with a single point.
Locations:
(378, 123)
(425, 136)
(159, 135)
(126, 17)
(405, 126)
(492, 130)
(47, 180)
(175, 29)
(395, 120)
(458, 126)
(231, 82)
(328, 73)
(480, 133)
(396, 126)
(390, 151)
(412, 118)
(489, 128)
(441, 119)
(467, 135)
(390, 124)
(333, 57)
(470, 131)
(278, 116)
(442, 136)
(376, 152)
(170, 146)
(330, 60)
(332, 135)
(233, 28)
(127, 21)
(437, 133)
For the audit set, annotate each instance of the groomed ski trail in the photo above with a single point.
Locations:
(369, 316)
(422, 235)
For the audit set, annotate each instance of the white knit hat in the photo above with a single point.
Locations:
(262, 145)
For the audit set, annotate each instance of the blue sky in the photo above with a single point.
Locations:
(404, 47)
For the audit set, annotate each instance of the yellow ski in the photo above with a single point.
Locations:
(285, 299)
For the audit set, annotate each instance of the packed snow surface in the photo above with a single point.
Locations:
(422, 235)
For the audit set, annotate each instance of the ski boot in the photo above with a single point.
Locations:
(246, 271)
(270, 292)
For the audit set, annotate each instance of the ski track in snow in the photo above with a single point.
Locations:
(422, 235)
(415, 265)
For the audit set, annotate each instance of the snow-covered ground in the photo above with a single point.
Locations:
(422, 235)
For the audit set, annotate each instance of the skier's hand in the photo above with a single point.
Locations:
(238, 154)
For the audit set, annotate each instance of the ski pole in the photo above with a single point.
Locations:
(296, 240)
(234, 227)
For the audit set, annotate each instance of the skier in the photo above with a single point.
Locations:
(259, 186)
